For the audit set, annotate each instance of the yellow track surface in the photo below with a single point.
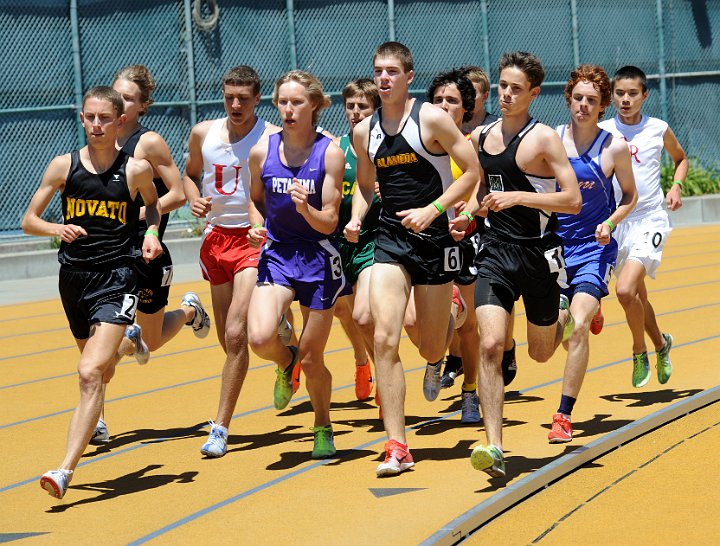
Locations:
(150, 483)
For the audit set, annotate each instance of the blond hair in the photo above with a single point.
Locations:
(312, 86)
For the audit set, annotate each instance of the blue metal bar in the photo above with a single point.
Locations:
(391, 20)
(486, 37)
(661, 59)
(77, 68)
(575, 37)
(187, 40)
(292, 42)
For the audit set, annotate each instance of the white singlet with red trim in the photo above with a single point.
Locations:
(226, 177)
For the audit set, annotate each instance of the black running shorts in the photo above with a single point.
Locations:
(154, 279)
(427, 259)
(89, 297)
(507, 271)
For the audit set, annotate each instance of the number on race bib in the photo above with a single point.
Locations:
(336, 267)
(555, 259)
(167, 276)
(129, 305)
(452, 258)
(608, 274)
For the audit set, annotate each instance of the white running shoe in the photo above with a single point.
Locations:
(56, 482)
(134, 334)
(100, 434)
(216, 445)
(201, 321)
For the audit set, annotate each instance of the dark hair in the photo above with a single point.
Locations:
(140, 75)
(464, 86)
(243, 75)
(365, 87)
(527, 63)
(103, 92)
(595, 75)
(396, 49)
(630, 72)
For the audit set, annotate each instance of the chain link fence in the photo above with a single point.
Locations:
(57, 48)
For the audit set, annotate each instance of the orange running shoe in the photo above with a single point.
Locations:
(598, 320)
(561, 431)
(296, 377)
(363, 380)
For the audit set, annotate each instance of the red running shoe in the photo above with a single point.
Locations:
(397, 459)
(561, 431)
(596, 325)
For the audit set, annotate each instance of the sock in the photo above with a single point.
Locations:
(435, 363)
(566, 404)
(469, 387)
(453, 363)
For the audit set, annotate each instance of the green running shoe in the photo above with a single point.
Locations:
(489, 459)
(664, 366)
(570, 324)
(323, 446)
(283, 391)
(641, 370)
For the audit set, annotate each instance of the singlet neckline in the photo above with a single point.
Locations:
(402, 125)
(526, 128)
(109, 169)
(229, 143)
(583, 155)
(295, 169)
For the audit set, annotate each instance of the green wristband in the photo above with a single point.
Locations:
(466, 213)
(610, 223)
(680, 183)
(151, 232)
(255, 226)
(438, 206)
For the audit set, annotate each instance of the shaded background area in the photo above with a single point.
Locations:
(55, 49)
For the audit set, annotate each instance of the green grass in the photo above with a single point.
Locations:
(700, 180)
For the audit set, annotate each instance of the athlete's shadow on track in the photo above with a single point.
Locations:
(511, 397)
(598, 425)
(148, 435)
(292, 459)
(516, 465)
(648, 398)
(134, 482)
(266, 439)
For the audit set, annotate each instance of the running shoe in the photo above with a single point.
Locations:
(489, 459)
(134, 334)
(509, 365)
(596, 325)
(285, 330)
(641, 370)
(458, 300)
(397, 459)
(664, 366)
(363, 380)
(561, 430)
(100, 435)
(431, 381)
(470, 411)
(283, 391)
(323, 445)
(451, 372)
(296, 377)
(570, 324)
(201, 321)
(216, 445)
(56, 482)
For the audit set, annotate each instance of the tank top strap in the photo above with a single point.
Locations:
(484, 133)
(594, 152)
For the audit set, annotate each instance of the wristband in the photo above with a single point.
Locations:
(255, 226)
(680, 183)
(610, 223)
(151, 232)
(438, 206)
(466, 213)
